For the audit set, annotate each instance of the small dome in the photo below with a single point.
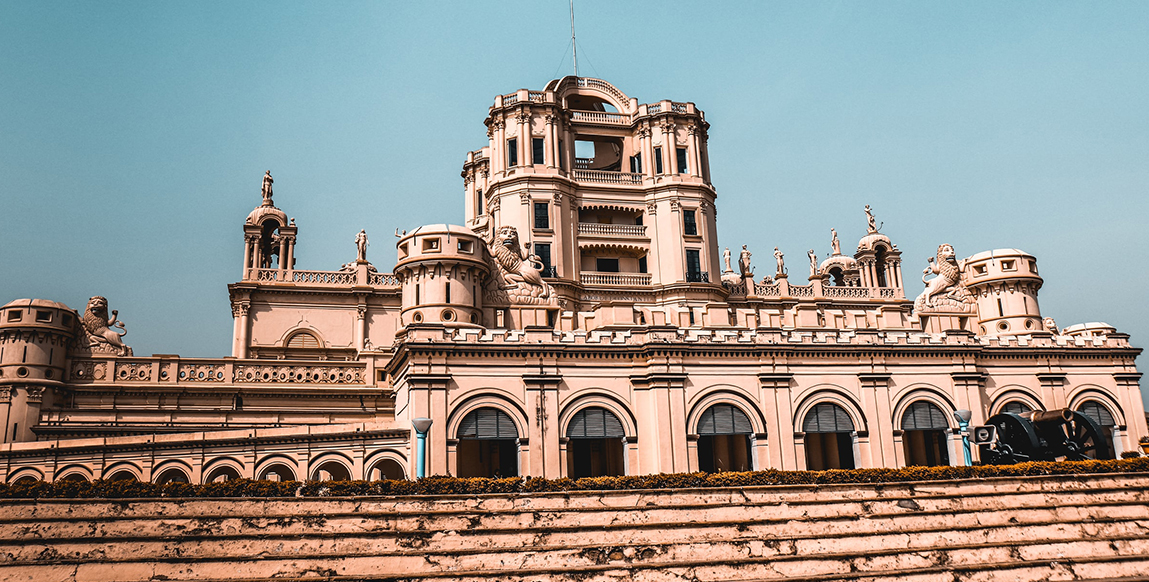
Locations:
(260, 213)
(871, 240)
(843, 262)
(36, 303)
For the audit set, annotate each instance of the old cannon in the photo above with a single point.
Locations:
(1053, 435)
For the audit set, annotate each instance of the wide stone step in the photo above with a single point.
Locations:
(805, 536)
(1128, 555)
(183, 520)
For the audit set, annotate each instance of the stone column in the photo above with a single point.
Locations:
(360, 326)
(282, 252)
(499, 151)
(875, 391)
(247, 243)
(545, 457)
(695, 158)
(290, 255)
(660, 405)
(427, 398)
(239, 311)
(647, 152)
(524, 137)
(969, 393)
(668, 146)
(549, 139)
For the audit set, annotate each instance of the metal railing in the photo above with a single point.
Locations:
(702, 277)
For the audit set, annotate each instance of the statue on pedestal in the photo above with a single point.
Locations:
(813, 264)
(944, 293)
(267, 181)
(726, 259)
(835, 245)
(99, 330)
(871, 224)
(744, 263)
(778, 256)
(361, 245)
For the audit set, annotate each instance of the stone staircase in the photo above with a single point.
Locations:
(1032, 528)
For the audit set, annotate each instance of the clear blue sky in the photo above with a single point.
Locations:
(134, 135)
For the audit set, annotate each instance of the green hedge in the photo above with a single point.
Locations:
(453, 485)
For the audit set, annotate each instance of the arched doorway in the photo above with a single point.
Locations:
(724, 440)
(829, 438)
(277, 472)
(488, 445)
(924, 440)
(1099, 414)
(331, 471)
(387, 469)
(595, 445)
(172, 475)
(221, 474)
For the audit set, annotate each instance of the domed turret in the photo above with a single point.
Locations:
(879, 260)
(34, 338)
(267, 233)
(1005, 283)
(441, 268)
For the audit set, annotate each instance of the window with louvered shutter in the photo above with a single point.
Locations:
(1015, 407)
(724, 419)
(1098, 413)
(487, 423)
(827, 417)
(924, 416)
(595, 423)
(303, 340)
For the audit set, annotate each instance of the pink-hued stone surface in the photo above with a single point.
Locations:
(1032, 528)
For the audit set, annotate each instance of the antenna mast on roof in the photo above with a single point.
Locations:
(573, 45)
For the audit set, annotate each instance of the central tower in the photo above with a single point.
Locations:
(613, 196)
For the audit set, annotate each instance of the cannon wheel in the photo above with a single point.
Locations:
(1086, 440)
(1017, 442)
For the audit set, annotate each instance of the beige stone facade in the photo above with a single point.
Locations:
(582, 322)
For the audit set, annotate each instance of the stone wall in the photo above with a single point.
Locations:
(1033, 528)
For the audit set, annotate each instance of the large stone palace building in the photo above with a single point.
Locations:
(583, 321)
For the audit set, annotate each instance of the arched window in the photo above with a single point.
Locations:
(303, 340)
(75, 477)
(595, 447)
(829, 438)
(1100, 414)
(724, 439)
(1015, 407)
(924, 440)
(488, 445)
(172, 475)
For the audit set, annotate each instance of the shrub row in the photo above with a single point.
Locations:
(440, 485)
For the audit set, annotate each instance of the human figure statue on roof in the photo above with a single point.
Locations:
(781, 263)
(813, 263)
(834, 243)
(726, 258)
(744, 263)
(872, 225)
(361, 245)
(267, 188)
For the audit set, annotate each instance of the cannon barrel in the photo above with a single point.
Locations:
(1050, 416)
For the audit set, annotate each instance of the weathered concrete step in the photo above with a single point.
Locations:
(748, 561)
(183, 525)
(807, 537)
(990, 491)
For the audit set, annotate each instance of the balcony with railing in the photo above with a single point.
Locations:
(615, 279)
(600, 117)
(612, 230)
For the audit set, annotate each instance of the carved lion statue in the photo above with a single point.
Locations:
(518, 272)
(945, 290)
(99, 328)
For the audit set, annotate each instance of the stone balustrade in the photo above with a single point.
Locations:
(600, 117)
(177, 371)
(622, 230)
(615, 279)
(320, 278)
(604, 177)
